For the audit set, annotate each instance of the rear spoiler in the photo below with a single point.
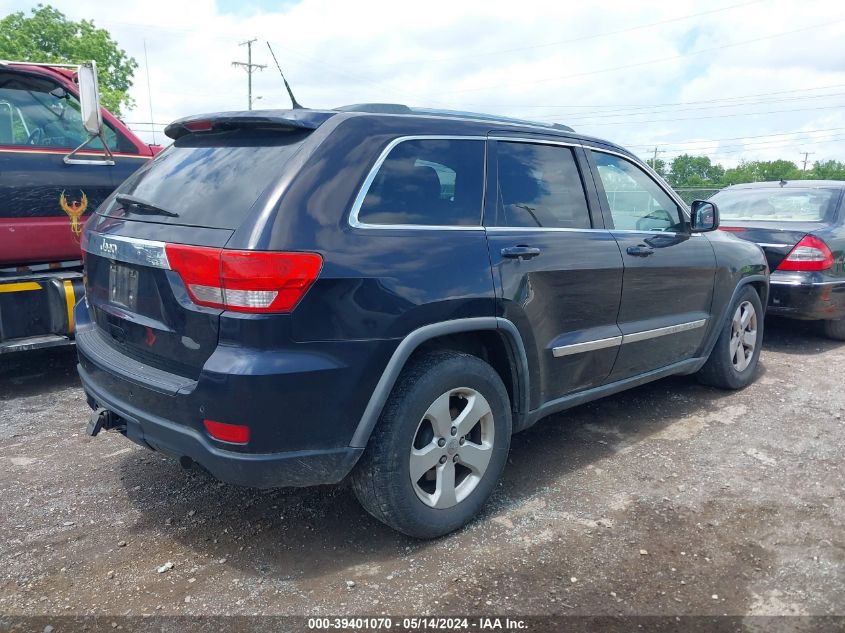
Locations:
(300, 119)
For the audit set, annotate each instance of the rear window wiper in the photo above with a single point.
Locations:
(142, 206)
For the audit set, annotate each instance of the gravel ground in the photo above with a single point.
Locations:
(669, 499)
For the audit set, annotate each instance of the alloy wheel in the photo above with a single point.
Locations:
(452, 448)
(743, 335)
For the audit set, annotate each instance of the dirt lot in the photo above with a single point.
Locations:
(669, 499)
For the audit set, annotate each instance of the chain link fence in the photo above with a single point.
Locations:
(696, 193)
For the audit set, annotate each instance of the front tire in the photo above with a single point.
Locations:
(439, 447)
(733, 361)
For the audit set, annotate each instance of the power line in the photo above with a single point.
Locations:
(739, 138)
(660, 105)
(743, 150)
(708, 147)
(603, 115)
(230, 37)
(653, 61)
(583, 38)
(717, 116)
(752, 146)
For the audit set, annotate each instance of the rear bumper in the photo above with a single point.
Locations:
(302, 404)
(254, 470)
(806, 296)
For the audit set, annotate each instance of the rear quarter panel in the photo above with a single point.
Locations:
(375, 283)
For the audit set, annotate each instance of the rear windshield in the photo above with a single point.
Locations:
(209, 179)
(777, 205)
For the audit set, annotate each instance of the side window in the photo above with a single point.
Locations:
(540, 185)
(635, 201)
(37, 113)
(429, 182)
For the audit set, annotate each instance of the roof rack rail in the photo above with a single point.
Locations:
(399, 108)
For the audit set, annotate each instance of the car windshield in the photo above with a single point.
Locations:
(777, 205)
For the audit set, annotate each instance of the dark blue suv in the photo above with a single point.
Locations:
(286, 298)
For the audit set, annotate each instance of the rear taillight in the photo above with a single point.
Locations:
(231, 433)
(244, 281)
(810, 254)
(732, 229)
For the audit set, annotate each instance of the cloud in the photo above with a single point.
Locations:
(586, 64)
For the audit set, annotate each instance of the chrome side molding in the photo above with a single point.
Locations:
(587, 346)
(616, 341)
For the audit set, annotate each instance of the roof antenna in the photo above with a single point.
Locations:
(293, 100)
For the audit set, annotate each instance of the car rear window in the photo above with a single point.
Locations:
(432, 182)
(777, 205)
(210, 179)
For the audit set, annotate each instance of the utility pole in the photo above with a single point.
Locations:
(806, 154)
(654, 160)
(249, 66)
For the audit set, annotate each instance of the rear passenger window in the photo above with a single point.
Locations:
(540, 185)
(429, 182)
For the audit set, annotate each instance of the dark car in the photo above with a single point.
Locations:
(289, 297)
(800, 225)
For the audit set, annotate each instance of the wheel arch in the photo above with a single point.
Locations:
(760, 284)
(494, 339)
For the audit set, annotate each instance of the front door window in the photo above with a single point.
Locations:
(635, 201)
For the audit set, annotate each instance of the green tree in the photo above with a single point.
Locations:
(828, 170)
(694, 171)
(48, 36)
(764, 170)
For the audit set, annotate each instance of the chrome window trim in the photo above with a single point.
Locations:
(541, 229)
(131, 250)
(635, 337)
(535, 141)
(644, 232)
(587, 346)
(653, 175)
(355, 223)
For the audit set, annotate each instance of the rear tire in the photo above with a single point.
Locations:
(448, 422)
(733, 361)
(835, 329)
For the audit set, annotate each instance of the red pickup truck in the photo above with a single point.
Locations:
(61, 155)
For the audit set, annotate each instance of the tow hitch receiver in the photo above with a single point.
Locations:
(103, 419)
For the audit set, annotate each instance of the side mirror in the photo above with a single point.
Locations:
(89, 98)
(92, 118)
(704, 216)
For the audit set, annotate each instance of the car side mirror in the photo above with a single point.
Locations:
(92, 117)
(704, 216)
(89, 98)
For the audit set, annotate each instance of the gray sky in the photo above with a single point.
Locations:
(733, 79)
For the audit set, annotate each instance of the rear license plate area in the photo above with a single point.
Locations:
(123, 285)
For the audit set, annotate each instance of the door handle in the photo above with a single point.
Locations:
(640, 250)
(520, 252)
